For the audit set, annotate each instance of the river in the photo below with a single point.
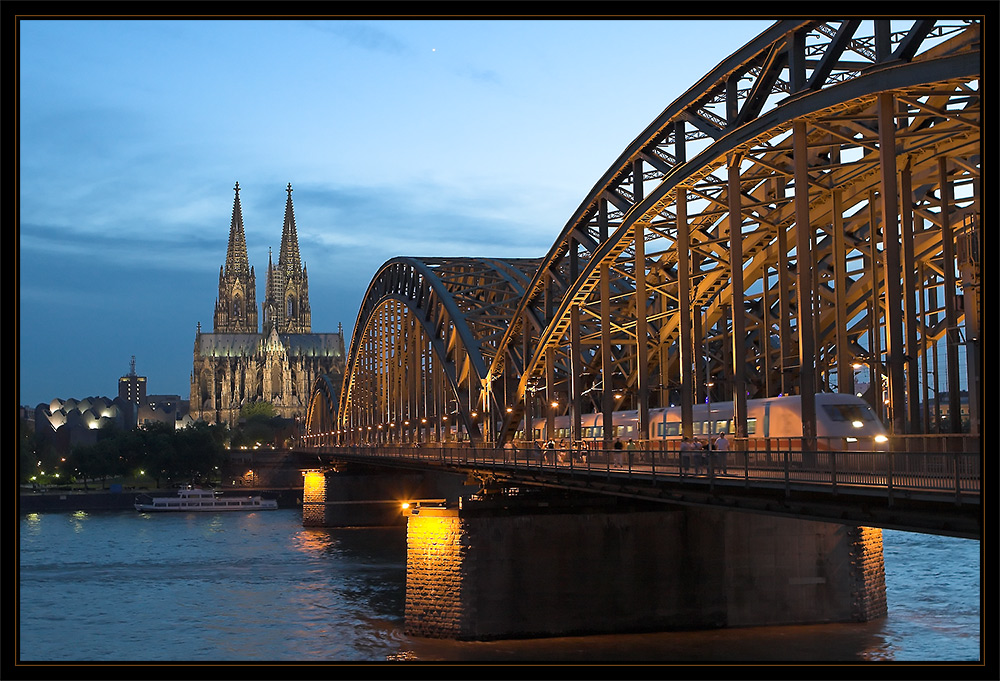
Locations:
(124, 587)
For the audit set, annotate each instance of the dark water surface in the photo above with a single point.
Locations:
(201, 587)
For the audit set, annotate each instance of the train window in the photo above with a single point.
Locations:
(667, 429)
(751, 426)
(848, 412)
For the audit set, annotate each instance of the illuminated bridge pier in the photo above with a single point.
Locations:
(802, 225)
(506, 570)
(358, 495)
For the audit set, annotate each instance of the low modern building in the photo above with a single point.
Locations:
(71, 422)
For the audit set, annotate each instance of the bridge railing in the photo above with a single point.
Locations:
(907, 467)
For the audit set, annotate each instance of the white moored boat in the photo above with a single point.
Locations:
(194, 499)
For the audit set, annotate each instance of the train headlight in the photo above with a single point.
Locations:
(881, 439)
(857, 424)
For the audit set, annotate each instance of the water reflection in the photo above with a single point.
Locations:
(315, 543)
(237, 587)
(370, 544)
(77, 521)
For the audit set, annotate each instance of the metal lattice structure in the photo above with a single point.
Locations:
(865, 132)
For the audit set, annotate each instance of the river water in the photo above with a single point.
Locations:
(125, 587)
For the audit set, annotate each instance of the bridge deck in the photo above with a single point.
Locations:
(925, 492)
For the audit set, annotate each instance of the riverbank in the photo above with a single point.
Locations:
(122, 500)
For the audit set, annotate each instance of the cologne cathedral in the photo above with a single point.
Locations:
(239, 363)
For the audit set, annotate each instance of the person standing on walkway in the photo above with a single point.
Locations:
(685, 450)
(722, 452)
(698, 454)
(509, 451)
(550, 451)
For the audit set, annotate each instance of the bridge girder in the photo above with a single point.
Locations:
(868, 132)
(423, 343)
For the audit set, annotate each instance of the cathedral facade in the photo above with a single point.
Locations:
(238, 362)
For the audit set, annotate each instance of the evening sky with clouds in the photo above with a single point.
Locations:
(416, 137)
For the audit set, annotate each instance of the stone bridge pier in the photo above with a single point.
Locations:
(495, 566)
(352, 495)
(480, 574)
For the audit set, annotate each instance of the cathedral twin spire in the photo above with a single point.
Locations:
(236, 306)
(286, 305)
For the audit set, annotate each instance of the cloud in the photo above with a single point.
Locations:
(132, 134)
(374, 224)
(365, 35)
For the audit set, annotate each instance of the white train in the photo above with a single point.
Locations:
(845, 417)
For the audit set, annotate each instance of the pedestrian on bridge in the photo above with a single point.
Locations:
(722, 452)
(686, 451)
(699, 452)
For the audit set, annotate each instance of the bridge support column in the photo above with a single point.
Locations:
(477, 575)
(357, 496)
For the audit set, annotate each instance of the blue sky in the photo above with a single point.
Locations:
(399, 137)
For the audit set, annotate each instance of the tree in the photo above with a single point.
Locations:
(199, 453)
(99, 460)
(36, 453)
(257, 410)
(159, 452)
(258, 424)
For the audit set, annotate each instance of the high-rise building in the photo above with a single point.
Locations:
(132, 387)
(238, 363)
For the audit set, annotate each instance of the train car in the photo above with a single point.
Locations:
(842, 421)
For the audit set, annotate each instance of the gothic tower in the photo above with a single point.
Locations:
(286, 304)
(236, 306)
(236, 365)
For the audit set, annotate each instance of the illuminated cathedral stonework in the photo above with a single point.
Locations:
(238, 363)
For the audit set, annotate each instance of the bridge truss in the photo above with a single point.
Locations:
(686, 274)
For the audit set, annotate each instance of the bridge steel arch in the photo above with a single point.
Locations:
(866, 132)
(811, 204)
(321, 415)
(426, 334)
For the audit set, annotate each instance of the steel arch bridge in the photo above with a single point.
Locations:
(811, 205)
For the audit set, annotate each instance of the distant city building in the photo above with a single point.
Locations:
(167, 409)
(132, 388)
(72, 422)
(26, 415)
(239, 363)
